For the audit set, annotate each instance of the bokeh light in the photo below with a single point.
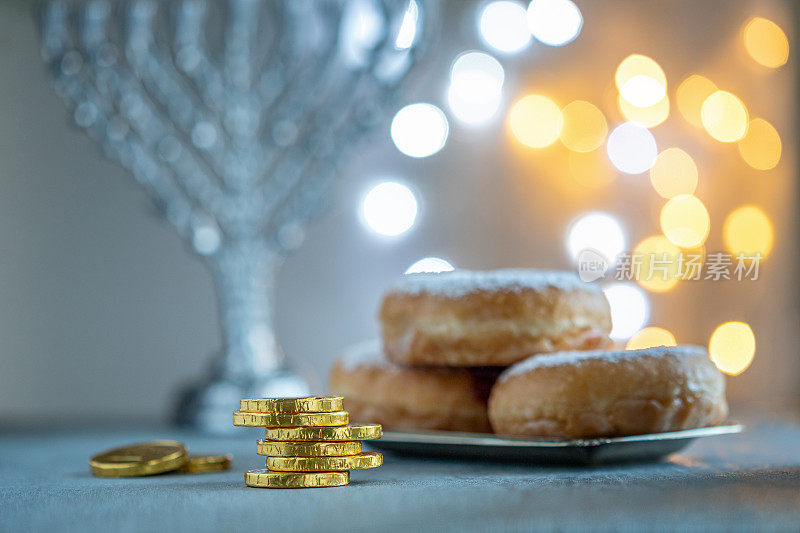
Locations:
(408, 27)
(655, 264)
(389, 208)
(504, 27)
(649, 117)
(674, 173)
(632, 148)
(591, 170)
(629, 309)
(642, 91)
(536, 121)
(430, 264)
(554, 22)
(685, 221)
(651, 337)
(584, 128)
(600, 232)
(724, 116)
(640, 80)
(476, 82)
(419, 130)
(747, 230)
(765, 42)
(732, 347)
(761, 146)
(691, 94)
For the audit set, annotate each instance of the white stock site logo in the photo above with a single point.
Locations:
(592, 265)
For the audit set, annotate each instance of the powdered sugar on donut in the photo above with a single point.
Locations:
(462, 282)
(578, 357)
(366, 353)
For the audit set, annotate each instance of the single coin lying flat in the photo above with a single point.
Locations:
(295, 480)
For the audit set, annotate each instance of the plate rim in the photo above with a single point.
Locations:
(490, 439)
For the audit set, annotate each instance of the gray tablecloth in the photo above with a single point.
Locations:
(721, 483)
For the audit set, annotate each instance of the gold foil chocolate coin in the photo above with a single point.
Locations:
(142, 459)
(313, 404)
(295, 480)
(197, 464)
(336, 418)
(308, 449)
(316, 464)
(341, 433)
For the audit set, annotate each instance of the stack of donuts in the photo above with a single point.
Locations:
(519, 352)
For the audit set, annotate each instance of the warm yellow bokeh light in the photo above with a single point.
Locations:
(748, 231)
(674, 173)
(765, 42)
(584, 128)
(655, 264)
(536, 121)
(732, 347)
(761, 146)
(724, 117)
(648, 117)
(685, 221)
(651, 337)
(640, 81)
(691, 94)
(591, 169)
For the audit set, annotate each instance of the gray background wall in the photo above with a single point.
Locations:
(103, 311)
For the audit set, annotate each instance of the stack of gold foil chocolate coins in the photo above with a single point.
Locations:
(308, 442)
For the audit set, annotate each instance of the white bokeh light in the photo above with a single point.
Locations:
(629, 309)
(503, 26)
(389, 208)
(596, 231)
(554, 22)
(643, 91)
(430, 264)
(476, 83)
(420, 130)
(632, 148)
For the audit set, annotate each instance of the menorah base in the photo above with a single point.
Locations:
(208, 405)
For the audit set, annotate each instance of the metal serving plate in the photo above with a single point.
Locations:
(486, 446)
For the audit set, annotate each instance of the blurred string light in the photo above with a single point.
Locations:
(419, 130)
(598, 231)
(389, 208)
(408, 27)
(685, 221)
(503, 26)
(584, 126)
(632, 148)
(590, 169)
(649, 117)
(476, 83)
(554, 22)
(748, 230)
(651, 337)
(761, 146)
(657, 265)
(430, 264)
(674, 173)
(629, 309)
(691, 94)
(536, 121)
(724, 116)
(765, 42)
(641, 81)
(732, 347)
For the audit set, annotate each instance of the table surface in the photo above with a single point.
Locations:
(719, 483)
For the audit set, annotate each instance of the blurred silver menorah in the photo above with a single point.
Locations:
(233, 116)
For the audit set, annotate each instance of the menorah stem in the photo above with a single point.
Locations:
(244, 274)
(251, 364)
